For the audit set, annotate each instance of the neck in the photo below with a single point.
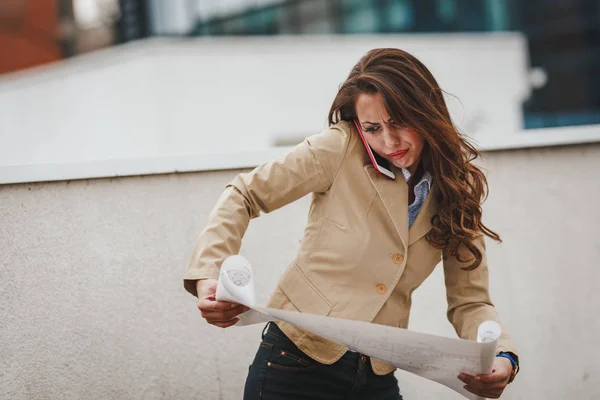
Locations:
(416, 172)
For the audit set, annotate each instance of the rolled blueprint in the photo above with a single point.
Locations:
(236, 284)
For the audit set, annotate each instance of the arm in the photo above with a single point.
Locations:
(469, 305)
(310, 167)
(469, 302)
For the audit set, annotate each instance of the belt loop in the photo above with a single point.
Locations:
(265, 329)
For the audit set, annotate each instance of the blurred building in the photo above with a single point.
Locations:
(36, 32)
(28, 34)
(563, 37)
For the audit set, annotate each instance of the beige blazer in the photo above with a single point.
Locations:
(358, 259)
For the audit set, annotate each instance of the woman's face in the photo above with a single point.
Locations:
(400, 145)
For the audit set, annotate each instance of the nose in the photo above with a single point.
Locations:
(389, 139)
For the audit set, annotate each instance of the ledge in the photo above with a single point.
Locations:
(546, 137)
(11, 174)
(135, 166)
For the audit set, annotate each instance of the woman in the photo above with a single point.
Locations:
(370, 240)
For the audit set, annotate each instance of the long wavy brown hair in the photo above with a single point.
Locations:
(413, 97)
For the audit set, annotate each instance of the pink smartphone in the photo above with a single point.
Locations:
(381, 164)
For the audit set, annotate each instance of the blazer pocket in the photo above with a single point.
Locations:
(302, 293)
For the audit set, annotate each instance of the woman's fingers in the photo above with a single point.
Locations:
(227, 315)
(488, 387)
(210, 304)
(490, 394)
(225, 324)
(479, 384)
(493, 386)
(220, 313)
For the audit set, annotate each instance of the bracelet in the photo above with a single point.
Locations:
(514, 363)
(506, 355)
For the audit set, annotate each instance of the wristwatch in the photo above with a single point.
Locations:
(514, 360)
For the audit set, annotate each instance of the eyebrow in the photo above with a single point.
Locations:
(376, 123)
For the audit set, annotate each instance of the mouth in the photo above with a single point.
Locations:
(398, 154)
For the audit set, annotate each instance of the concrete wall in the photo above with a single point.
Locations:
(92, 304)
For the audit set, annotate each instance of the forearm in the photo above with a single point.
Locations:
(309, 167)
(467, 317)
(469, 302)
(221, 238)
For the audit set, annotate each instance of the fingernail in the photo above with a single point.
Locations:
(233, 305)
(477, 378)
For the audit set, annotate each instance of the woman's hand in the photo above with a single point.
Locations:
(218, 313)
(489, 385)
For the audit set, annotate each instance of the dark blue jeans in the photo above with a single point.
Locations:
(281, 371)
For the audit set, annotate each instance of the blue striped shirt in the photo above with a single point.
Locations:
(422, 189)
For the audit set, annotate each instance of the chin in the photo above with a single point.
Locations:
(401, 164)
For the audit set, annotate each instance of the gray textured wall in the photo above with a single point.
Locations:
(92, 304)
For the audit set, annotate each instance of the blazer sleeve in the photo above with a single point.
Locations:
(469, 302)
(309, 167)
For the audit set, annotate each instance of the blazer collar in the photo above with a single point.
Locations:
(394, 195)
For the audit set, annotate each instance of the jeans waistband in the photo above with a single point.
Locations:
(272, 329)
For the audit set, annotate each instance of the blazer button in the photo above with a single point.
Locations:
(397, 258)
(381, 288)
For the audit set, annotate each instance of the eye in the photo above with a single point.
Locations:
(372, 129)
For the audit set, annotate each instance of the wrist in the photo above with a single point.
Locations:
(514, 360)
(202, 287)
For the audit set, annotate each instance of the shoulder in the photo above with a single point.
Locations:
(335, 137)
(333, 144)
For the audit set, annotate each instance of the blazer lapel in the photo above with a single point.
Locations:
(394, 195)
(422, 224)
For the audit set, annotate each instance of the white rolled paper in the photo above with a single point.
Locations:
(236, 283)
